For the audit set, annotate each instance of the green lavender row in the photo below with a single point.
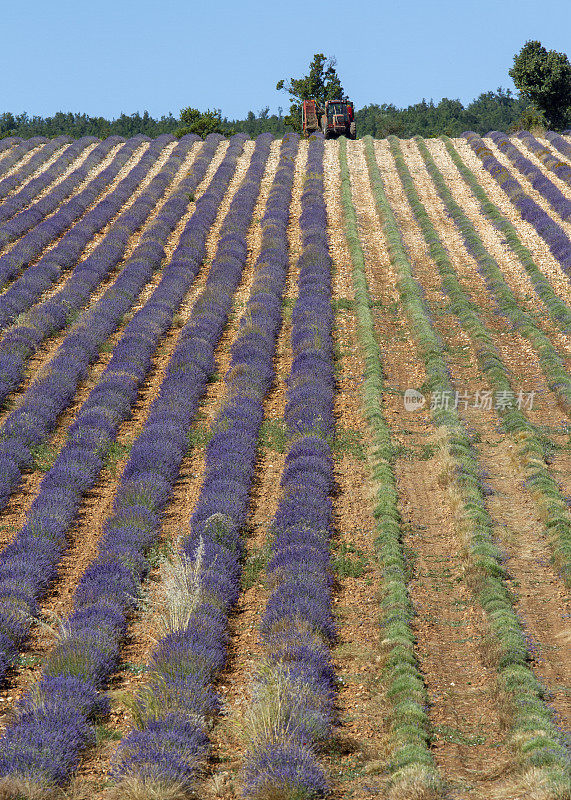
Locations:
(531, 445)
(412, 762)
(551, 362)
(534, 736)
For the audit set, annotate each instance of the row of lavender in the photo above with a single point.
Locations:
(546, 156)
(9, 142)
(557, 309)
(540, 182)
(25, 220)
(35, 163)
(293, 695)
(39, 276)
(559, 143)
(170, 745)
(20, 147)
(29, 563)
(39, 222)
(55, 722)
(551, 232)
(52, 315)
(552, 364)
(55, 386)
(538, 746)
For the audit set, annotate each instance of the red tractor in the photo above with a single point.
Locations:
(336, 119)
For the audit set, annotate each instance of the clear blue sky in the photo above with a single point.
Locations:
(113, 56)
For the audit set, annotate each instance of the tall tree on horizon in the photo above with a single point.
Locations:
(322, 83)
(543, 78)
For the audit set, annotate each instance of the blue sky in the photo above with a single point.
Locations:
(117, 56)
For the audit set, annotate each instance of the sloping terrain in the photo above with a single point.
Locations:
(285, 455)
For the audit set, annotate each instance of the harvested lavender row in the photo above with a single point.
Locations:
(31, 190)
(75, 148)
(549, 230)
(540, 182)
(41, 231)
(559, 143)
(297, 680)
(537, 743)
(29, 563)
(171, 743)
(22, 341)
(37, 278)
(20, 151)
(410, 766)
(56, 385)
(544, 154)
(67, 699)
(513, 420)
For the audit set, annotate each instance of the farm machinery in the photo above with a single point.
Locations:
(336, 118)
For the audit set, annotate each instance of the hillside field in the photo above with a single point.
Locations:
(285, 468)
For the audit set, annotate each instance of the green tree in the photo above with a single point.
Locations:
(322, 83)
(493, 111)
(7, 124)
(544, 79)
(201, 123)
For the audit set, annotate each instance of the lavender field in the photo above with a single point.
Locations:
(285, 468)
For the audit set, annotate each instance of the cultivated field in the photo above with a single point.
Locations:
(285, 468)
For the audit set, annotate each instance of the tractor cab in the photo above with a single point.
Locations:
(337, 111)
(336, 119)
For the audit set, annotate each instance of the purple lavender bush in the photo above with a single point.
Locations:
(26, 195)
(540, 182)
(105, 596)
(54, 388)
(559, 142)
(194, 645)
(38, 277)
(293, 695)
(8, 143)
(21, 341)
(552, 233)
(43, 231)
(81, 459)
(544, 154)
(22, 147)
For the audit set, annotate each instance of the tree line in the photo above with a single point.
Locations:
(78, 125)
(498, 110)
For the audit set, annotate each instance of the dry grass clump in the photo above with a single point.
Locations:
(135, 788)
(14, 788)
(180, 579)
(535, 784)
(416, 782)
